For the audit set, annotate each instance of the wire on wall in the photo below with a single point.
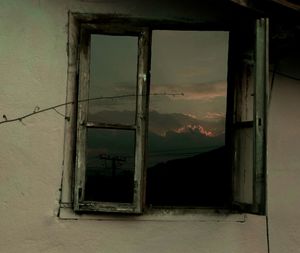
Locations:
(38, 110)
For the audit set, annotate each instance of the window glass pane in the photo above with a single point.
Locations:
(113, 72)
(187, 154)
(110, 165)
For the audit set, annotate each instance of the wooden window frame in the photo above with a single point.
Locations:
(139, 127)
(78, 52)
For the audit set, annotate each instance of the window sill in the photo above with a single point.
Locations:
(198, 215)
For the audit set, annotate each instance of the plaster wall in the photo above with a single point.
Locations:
(283, 166)
(33, 73)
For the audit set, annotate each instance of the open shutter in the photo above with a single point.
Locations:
(247, 83)
(260, 115)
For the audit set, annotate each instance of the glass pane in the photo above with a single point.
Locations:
(110, 165)
(113, 74)
(187, 154)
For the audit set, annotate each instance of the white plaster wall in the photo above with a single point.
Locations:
(33, 72)
(284, 166)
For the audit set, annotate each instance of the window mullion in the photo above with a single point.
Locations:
(109, 125)
(143, 77)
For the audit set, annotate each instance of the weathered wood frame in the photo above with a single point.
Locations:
(248, 81)
(139, 127)
(260, 115)
(69, 191)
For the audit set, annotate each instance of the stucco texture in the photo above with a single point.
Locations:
(33, 72)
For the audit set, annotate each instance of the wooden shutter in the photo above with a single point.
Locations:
(247, 82)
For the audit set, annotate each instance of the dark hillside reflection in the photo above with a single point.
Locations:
(200, 180)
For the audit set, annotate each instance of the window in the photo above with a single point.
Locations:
(139, 143)
(186, 158)
(111, 149)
